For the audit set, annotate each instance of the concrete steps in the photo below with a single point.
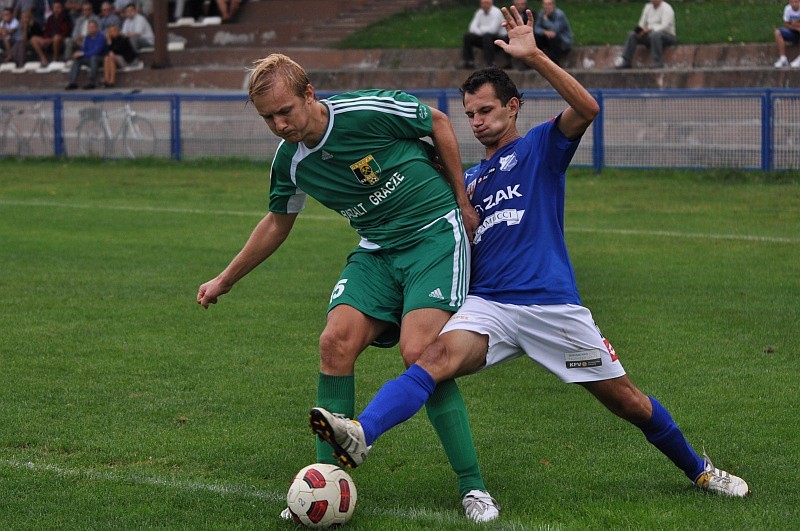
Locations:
(224, 67)
(217, 57)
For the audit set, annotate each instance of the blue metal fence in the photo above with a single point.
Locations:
(754, 129)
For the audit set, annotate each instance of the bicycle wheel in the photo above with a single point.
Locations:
(139, 138)
(9, 139)
(91, 139)
(39, 142)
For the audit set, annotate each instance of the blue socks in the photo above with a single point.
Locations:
(662, 432)
(398, 400)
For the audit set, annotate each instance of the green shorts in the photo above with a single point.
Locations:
(430, 272)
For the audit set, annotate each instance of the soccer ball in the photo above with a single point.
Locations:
(322, 495)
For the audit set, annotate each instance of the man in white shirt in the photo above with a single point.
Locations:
(656, 29)
(788, 32)
(485, 28)
(137, 29)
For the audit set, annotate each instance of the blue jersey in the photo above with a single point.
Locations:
(519, 254)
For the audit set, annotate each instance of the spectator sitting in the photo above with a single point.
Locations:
(552, 32)
(120, 54)
(80, 29)
(137, 29)
(8, 27)
(485, 28)
(788, 32)
(108, 17)
(28, 29)
(91, 54)
(57, 28)
(656, 30)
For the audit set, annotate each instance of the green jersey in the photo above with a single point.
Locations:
(371, 166)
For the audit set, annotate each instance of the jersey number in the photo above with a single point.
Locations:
(338, 289)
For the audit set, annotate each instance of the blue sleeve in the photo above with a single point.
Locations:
(558, 148)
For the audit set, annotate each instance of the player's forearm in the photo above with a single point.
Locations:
(567, 86)
(263, 241)
(446, 144)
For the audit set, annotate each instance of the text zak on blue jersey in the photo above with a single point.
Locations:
(519, 254)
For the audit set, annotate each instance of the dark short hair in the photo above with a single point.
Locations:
(504, 87)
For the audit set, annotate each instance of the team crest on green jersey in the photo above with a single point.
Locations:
(367, 171)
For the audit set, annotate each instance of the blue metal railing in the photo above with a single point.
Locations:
(737, 128)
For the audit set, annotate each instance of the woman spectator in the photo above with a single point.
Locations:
(121, 53)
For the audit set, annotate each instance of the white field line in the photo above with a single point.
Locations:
(107, 475)
(331, 216)
(695, 235)
(410, 514)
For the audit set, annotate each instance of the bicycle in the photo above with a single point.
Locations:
(96, 137)
(23, 143)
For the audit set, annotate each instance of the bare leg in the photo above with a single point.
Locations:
(780, 43)
(622, 398)
(37, 43)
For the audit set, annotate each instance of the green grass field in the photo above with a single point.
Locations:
(123, 404)
(593, 23)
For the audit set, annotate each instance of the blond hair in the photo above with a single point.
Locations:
(267, 71)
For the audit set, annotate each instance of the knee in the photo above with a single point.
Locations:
(336, 355)
(411, 351)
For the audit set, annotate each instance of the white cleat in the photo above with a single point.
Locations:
(346, 436)
(720, 482)
(480, 507)
(782, 62)
(796, 62)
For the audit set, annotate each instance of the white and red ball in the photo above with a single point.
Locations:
(322, 495)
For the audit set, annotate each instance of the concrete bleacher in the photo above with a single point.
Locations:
(217, 56)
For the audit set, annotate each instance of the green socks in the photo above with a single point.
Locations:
(337, 394)
(448, 414)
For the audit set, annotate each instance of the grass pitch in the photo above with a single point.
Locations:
(124, 404)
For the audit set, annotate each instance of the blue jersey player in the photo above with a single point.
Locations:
(523, 298)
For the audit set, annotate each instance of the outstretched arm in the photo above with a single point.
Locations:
(521, 45)
(268, 235)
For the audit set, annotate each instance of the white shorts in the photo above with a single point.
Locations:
(562, 338)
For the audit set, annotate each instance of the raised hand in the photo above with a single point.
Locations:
(520, 36)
